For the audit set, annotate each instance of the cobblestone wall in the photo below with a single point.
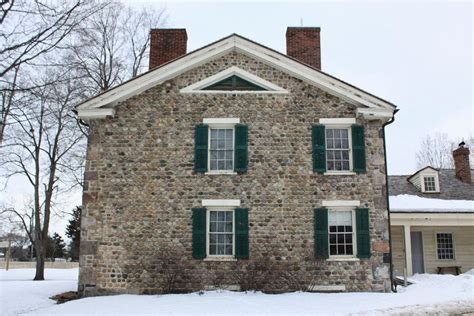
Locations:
(140, 185)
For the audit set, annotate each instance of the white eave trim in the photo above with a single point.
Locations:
(236, 43)
(432, 219)
(222, 203)
(198, 86)
(90, 114)
(375, 114)
(340, 203)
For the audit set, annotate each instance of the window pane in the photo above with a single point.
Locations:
(333, 250)
(213, 249)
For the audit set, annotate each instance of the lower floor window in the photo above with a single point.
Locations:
(221, 233)
(445, 246)
(341, 233)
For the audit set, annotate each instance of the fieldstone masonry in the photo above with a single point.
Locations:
(140, 186)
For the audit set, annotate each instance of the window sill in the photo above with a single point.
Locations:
(343, 259)
(342, 173)
(219, 259)
(221, 173)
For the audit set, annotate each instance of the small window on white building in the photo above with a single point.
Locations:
(445, 246)
(429, 183)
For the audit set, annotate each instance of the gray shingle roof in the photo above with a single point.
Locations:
(451, 188)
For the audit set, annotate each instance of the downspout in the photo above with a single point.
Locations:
(392, 283)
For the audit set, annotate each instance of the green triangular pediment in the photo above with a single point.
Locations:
(234, 83)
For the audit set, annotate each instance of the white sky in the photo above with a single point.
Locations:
(418, 55)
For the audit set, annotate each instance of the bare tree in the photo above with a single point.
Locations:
(40, 146)
(437, 151)
(112, 45)
(31, 30)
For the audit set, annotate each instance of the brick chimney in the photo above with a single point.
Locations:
(166, 45)
(303, 43)
(461, 163)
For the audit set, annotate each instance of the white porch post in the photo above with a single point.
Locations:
(408, 262)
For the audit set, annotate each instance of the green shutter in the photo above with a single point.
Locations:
(321, 240)
(241, 148)
(199, 233)
(363, 234)
(319, 148)
(200, 156)
(242, 233)
(358, 148)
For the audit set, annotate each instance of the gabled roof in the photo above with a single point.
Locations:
(104, 103)
(421, 170)
(451, 188)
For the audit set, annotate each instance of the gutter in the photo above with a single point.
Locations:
(392, 281)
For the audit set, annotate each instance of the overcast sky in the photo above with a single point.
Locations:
(418, 55)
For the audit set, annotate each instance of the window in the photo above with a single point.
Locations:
(337, 149)
(221, 233)
(445, 247)
(221, 149)
(429, 183)
(341, 233)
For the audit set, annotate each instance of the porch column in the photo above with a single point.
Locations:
(408, 262)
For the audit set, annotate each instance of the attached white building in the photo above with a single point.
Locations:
(432, 219)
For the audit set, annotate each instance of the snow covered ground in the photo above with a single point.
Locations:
(444, 294)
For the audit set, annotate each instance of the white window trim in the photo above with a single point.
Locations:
(338, 121)
(270, 87)
(210, 257)
(214, 123)
(341, 203)
(436, 182)
(454, 246)
(341, 123)
(221, 203)
(354, 236)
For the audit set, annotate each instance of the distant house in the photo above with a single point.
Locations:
(432, 219)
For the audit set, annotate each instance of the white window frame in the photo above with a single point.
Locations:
(436, 182)
(339, 123)
(220, 123)
(354, 233)
(208, 212)
(453, 242)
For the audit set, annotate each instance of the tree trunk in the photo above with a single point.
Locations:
(39, 276)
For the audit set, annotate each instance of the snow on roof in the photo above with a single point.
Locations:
(413, 203)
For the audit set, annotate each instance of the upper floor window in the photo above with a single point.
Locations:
(338, 146)
(337, 149)
(221, 146)
(429, 183)
(222, 149)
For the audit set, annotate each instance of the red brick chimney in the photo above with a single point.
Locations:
(461, 163)
(166, 45)
(303, 43)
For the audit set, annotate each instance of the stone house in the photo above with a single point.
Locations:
(432, 219)
(234, 163)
